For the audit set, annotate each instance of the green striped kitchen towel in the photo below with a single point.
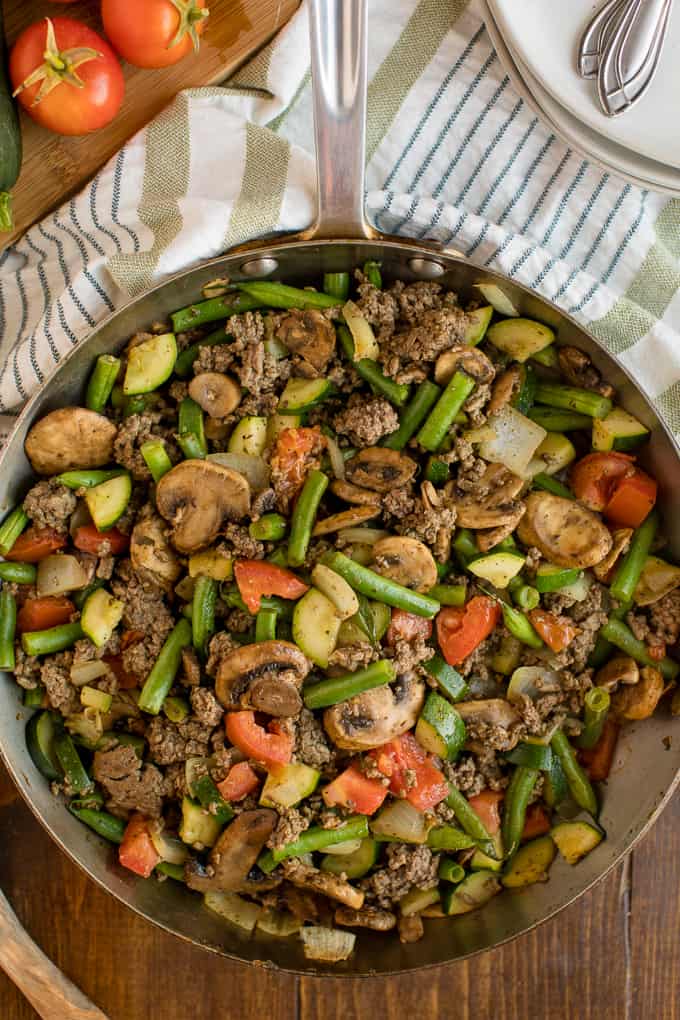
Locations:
(454, 154)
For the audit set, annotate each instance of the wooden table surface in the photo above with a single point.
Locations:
(614, 955)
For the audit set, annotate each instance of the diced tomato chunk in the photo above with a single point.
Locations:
(137, 852)
(35, 544)
(355, 791)
(43, 613)
(632, 501)
(408, 627)
(411, 772)
(266, 746)
(240, 781)
(100, 543)
(598, 760)
(296, 453)
(595, 477)
(557, 631)
(536, 823)
(256, 578)
(487, 805)
(461, 629)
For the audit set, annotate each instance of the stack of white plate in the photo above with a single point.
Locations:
(536, 40)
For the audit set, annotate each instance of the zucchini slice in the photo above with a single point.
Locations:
(550, 577)
(520, 338)
(555, 453)
(498, 568)
(150, 364)
(473, 892)
(289, 786)
(198, 825)
(555, 786)
(448, 679)
(418, 899)
(315, 627)
(279, 423)
(575, 839)
(302, 394)
(618, 431)
(41, 730)
(440, 728)
(108, 501)
(249, 436)
(354, 865)
(365, 343)
(478, 324)
(101, 615)
(483, 862)
(530, 864)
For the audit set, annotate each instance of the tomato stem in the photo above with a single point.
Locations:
(189, 17)
(59, 66)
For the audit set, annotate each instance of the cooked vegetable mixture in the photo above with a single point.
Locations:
(331, 603)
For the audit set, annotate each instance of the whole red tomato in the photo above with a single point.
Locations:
(154, 33)
(66, 76)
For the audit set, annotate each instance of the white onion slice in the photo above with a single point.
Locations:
(234, 908)
(336, 458)
(498, 299)
(362, 536)
(59, 574)
(254, 469)
(85, 672)
(516, 440)
(327, 944)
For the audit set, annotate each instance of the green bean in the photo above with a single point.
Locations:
(187, 357)
(370, 372)
(283, 607)
(533, 756)
(190, 446)
(572, 398)
(268, 528)
(55, 639)
(203, 613)
(448, 837)
(156, 458)
(162, 676)
(526, 597)
(103, 824)
(451, 871)
(34, 698)
(304, 515)
(372, 273)
(577, 780)
(470, 821)
(441, 417)
(595, 709)
(18, 573)
(622, 636)
(465, 546)
(382, 589)
(316, 838)
(340, 688)
(90, 799)
(550, 484)
(279, 556)
(175, 871)
(88, 479)
(190, 422)
(413, 415)
(337, 285)
(69, 759)
(79, 598)
(449, 594)
(280, 295)
(138, 403)
(265, 625)
(8, 624)
(102, 381)
(11, 528)
(175, 709)
(517, 797)
(213, 309)
(437, 471)
(628, 572)
(117, 397)
(554, 420)
(600, 653)
(138, 744)
(520, 627)
(448, 679)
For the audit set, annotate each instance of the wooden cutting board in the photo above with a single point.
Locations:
(55, 167)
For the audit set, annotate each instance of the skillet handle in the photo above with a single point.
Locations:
(337, 35)
(46, 988)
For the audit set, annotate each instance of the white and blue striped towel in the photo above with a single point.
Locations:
(453, 152)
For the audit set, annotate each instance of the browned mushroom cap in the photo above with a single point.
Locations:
(620, 542)
(217, 394)
(152, 555)
(266, 676)
(234, 855)
(406, 561)
(323, 882)
(198, 497)
(70, 437)
(567, 533)
(578, 369)
(619, 670)
(488, 538)
(505, 388)
(309, 334)
(492, 501)
(463, 359)
(353, 494)
(368, 917)
(380, 470)
(639, 702)
(373, 718)
(346, 519)
(497, 715)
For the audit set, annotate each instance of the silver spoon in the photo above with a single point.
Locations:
(631, 55)
(596, 35)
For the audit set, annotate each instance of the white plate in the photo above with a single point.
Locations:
(616, 159)
(544, 34)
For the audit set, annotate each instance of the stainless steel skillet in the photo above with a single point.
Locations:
(645, 774)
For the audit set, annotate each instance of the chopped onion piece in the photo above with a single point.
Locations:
(365, 343)
(84, 672)
(327, 944)
(169, 848)
(80, 518)
(362, 536)
(336, 458)
(533, 681)
(350, 846)
(578, 589)
(516, 440)
(402, 822)
(87, 726)
(254, 469)
(59, 574)
(657, 579)
(498, 299)
(278, 923)
(234, 908)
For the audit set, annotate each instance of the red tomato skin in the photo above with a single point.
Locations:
(89, 539)
(43, 613)
(403, 760)
(142, 30)
(632, 501)
(556, 631)
(270, 748)
(297, 451)
(408, 627)
(461, 630)
(594, 477)
(598, 760)
(35, 544)
(487, 805)
(69, 110)
(355, 791)
(240, 781)
(137, 852)
(536, 823)
(256, 578)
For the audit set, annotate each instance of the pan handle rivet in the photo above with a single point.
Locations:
(259, 267)
(426, 269)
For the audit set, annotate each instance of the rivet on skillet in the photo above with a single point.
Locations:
(259, 267)
(427, 269)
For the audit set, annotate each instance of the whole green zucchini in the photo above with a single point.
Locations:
(10, 138)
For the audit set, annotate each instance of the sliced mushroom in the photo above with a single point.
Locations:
(368, 917)
(619, 670)
(234, 855)
(463, 359)
(70, 437)
(492, 502)
(371, 719)
(309, 334)
(152, 555)
(346, 519)
(505, 389)
(323, 882)
(411, 928)
(567, 533)
(578, 369)
(489, 712)
(266, 676)
(620, 542)
(353, 494)
(406, 561)
(215, 428)
(639, 702)
(380, 470)
(198, 497)
(488, 538)
(217, 394)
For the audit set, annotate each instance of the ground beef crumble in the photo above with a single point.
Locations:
(133, 432)
(364, 421)
(55, 676)
(311, 745)
(130, 785)
(206, 708)
(174, 742)
(50, 504)
(289, 826)
(407, 867)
